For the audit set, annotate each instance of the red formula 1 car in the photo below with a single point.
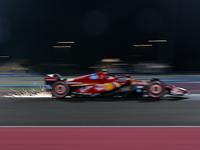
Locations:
(102, 85)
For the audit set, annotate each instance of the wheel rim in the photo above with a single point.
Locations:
(60, 89)
(156, 89)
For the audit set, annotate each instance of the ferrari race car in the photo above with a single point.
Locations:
(102, 85)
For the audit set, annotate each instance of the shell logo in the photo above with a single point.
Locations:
(108, 86)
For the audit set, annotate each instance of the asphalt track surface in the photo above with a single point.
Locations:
(112, 123)
(184, 111)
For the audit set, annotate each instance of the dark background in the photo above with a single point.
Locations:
(101, 29)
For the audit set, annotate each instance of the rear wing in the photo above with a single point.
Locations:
(54, 77)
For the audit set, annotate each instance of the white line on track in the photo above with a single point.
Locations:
(101, 126)
(194, 95)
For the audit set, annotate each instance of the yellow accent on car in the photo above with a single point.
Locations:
(117, 84)
(133, 82)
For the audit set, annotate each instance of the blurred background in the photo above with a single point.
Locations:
(124, 36)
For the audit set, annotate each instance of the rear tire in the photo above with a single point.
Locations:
(60, 89)
(156, 89)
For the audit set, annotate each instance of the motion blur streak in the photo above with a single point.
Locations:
(66, 42)
(158, 41)
(4, 56)
(61, 46)
(145, 45)
(111, 60)
(99, 138)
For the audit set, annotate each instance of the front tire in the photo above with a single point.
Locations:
(60, 89)
(156, 89)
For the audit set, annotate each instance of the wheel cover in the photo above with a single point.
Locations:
(156, 89)
(60, 89)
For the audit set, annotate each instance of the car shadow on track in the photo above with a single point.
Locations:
(114, 99)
